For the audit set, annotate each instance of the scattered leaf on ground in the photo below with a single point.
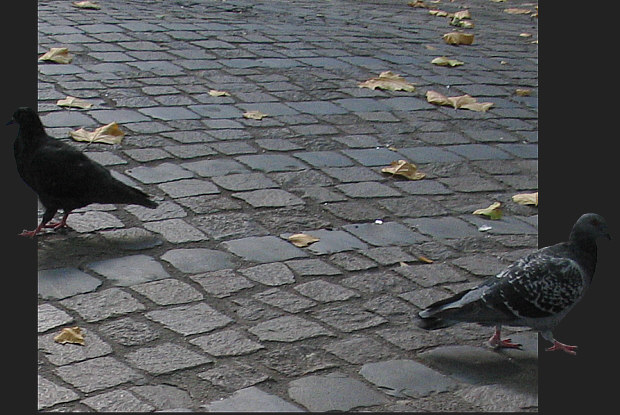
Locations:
(462, 101)
(58, 55)
(523, 92)
(524, 34)
(517, 11)
(70, 335)
(493, 212)
(462, 14)
(108, 134)
(458, 38)
(404, 168)
(301, 239)
(430, 47)
(438, 13)
(526, 198)
(73, 102)
(466, 24)
(216, 93)
(445, 61)
(255, 115)
(422, 258)
(388, 80)
(485, 228)
(86, 5)
(418, 3)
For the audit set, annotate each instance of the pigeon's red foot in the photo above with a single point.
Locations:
(29, 234)
(56, 225)
(497, 343)
(564, 347)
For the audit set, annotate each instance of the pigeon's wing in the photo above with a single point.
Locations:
(65, 173)
(536, 286)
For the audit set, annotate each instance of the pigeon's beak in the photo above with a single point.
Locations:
(10, 122)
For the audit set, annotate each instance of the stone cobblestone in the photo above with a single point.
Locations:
(203, 303)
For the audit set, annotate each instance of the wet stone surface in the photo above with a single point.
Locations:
(202, 304)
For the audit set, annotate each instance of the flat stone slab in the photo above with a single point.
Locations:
(331, 241)
(226, 343)
(333, 392)
(103, 304)
(49, 317)
(197, 260)
(168, 291)
(404, 377)
(128, 331)
(385, 234)
(233, 375)
(50, 394)
(269, 198)
(129, 270)
(95, 374)
(288, 329)
(165, 172)
(190, 319)
(65, 282)
(117, 401)
(165, 358)
(324, 291)
(251, 399)
(348, 318)
(222, 283)
(263, 249)
(62, 354)
(272, 274)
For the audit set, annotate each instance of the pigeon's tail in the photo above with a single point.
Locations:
(124, 194)
(465, 306)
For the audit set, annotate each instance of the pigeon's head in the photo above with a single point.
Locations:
(27, 117)
(591, 226)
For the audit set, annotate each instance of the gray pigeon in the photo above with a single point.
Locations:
(63, 177)
(536, 291)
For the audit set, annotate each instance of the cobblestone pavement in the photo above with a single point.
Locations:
(203, 304)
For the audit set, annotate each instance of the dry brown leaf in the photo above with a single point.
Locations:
(517, 11)
(86, 5)
(58, 55)
(108, 134)
(466, 24)
(458, 38)
(70, 335)
(445, 61)
(493, 212)
(523, 92)
(418, 4)
(438, 13)
(526, 198)
(388, 80)
(404, 168)
(73, 102)
(255, 115)
(462, 101)
(216, 93)
(301, 239)
(462, 14)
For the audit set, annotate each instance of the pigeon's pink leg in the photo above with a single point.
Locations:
(31, 234)
(496, 342)
(58, 225)
(561, 346)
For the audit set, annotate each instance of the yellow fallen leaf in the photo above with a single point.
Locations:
(458, 38)
(526, 198)
(438, 13)
(388, 80)
(404, 168)
(108, 134)
(70, 335)
(525, 34)
(462, 101)
(467, 24)
(86, 5)
(73, 102)
(58, 55)
(445, 61)
(255, 115)
(301, 239)
(523, 92)
(493, 212)
(216, 93)
(517, 11)
(462, 14)
(425, 259)
(418, 3)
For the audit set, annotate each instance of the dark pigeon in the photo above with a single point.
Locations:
(63, 177)
(536, 291)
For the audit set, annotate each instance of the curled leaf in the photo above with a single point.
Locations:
(523, 92)
(458, 38)
(445, 61)
(493, 212)
(58, 55)
(462, 101)
(438, 13)
(216, 93)
(422, 258)
(418, 4)
(404, 168)
(255, 115)
(301, 239)
(70, 335)
(388, 80)
(73, 102)
(526, 198)
(462, 14)
(108, 134)
(86, 5)
(517, 11)
(467, 24)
